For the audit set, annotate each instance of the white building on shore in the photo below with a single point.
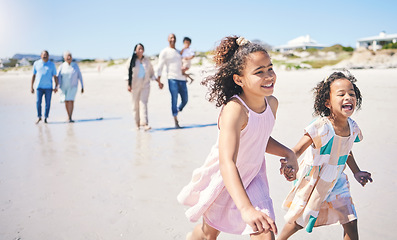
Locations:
(376, 42)
(302, 42)
(23, 62)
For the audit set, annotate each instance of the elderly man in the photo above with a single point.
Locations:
(44, 70)
(172, 60)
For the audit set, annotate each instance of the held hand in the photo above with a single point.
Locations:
(289, 167)
(289, 173)
(161, 85)
(258, 221)
(283, 162)
(32, 90)
(55, 90)
(363, 177)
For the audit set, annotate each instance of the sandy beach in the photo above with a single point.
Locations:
(100, 179)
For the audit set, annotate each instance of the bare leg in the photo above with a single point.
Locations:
(350, 230)
(288, 230)
(187, 75)
(203, 231)
(69, 109)
(176, 122)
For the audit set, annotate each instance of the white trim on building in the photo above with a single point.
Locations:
(376, 42)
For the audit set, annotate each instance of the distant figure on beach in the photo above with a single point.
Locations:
(44, 71)
(172, 60)
(187, 56)
(321, 195)
(230, 191)
(69, 75)
(140, 72)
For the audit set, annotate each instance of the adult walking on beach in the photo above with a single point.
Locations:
(44, 70)
(69, 75)
(172, 60)
(140, 71)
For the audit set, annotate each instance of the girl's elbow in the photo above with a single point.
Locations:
(226, 164)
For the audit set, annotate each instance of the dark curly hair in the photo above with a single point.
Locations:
(230, 59)
(323, 89)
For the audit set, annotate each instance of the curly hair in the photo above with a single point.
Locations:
(323, 89)
(230, 59)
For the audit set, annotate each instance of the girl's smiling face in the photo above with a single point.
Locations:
(342, 99)
(257, 76)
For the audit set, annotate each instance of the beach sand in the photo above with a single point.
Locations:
(99, 178)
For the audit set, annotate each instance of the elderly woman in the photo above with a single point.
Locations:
(69, 76)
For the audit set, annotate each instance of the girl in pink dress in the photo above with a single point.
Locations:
(230, 191)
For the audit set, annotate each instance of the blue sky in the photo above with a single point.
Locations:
(110, 29)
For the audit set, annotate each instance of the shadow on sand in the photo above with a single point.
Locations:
(182, 127)
(85, 120)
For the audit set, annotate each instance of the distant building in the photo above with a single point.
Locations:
(302, 42)
(376, 42)
(3, 61)
(23, 62)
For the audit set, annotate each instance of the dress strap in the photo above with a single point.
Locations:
(246, 106)
(241, 100)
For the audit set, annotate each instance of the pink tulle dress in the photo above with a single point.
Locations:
(206, 194)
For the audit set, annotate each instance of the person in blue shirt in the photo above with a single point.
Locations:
(44, 70)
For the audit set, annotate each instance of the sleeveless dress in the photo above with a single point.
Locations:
(206, 194)
(321, 194)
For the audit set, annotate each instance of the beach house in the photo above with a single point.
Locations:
(302, 42)
(376, 42)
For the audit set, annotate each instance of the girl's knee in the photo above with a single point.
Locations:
(209, 233)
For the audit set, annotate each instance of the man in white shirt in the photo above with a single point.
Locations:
(172, 60)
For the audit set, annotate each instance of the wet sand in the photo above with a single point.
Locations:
(99, 178)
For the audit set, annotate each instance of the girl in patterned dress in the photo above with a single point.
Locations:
(230, 191)
(320, 195)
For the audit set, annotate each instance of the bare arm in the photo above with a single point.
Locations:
(289, 159)
(361, 176)
(56, 83)
(290, 167)
(80, 78)
(232, 119)
(302, 145)
(278, 149)
(33, 79)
